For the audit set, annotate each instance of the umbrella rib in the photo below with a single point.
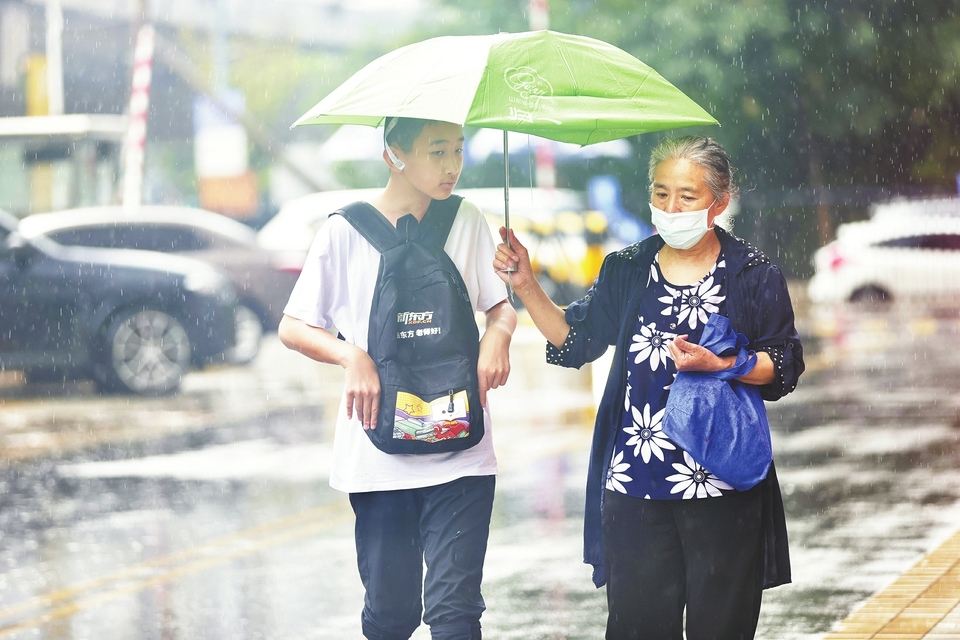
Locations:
(566, 65)
(642, 82)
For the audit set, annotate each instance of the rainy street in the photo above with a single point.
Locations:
(167, 172)
(207, 513)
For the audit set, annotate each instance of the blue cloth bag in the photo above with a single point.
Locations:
(719, 421)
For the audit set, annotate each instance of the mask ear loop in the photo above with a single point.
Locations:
(387, 128)
(397, 162)
(715, 201)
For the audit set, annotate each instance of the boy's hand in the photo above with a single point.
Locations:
(493, 367)
(362, 386)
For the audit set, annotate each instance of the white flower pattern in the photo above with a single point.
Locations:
(646, 434)
(696, 302)
(615, 474)
(651, 344)
(694, 480)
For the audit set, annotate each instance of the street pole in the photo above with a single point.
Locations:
(135, 142)
(54, 18)
(539, 15)
(220, 51)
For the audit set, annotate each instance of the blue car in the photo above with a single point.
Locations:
(134, 321)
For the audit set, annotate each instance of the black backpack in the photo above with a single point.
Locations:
(423, 334)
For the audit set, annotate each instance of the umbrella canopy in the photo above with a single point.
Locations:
(562, 87)
(487, 142)
(353, 142)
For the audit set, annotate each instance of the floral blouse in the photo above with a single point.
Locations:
(646, 464)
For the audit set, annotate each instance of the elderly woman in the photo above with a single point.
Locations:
(663, 532)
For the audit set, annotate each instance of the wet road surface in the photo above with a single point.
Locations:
(208, 515)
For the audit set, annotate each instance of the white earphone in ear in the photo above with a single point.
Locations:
(397, 162)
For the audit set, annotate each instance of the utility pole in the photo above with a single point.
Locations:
(137, 20)
(134, 143)
(539, 15)
(54, 16)
(220, 48)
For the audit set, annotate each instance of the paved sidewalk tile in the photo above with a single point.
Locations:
(922, 603)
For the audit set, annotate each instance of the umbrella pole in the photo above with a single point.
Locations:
(506, 194)
(506, 187)
(506, 209)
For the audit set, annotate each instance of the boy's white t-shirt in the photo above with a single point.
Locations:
(335, 289)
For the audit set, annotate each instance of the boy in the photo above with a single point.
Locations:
(409, 508)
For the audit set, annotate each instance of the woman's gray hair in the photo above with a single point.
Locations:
(704, 152)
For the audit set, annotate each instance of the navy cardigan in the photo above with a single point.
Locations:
(758, 306)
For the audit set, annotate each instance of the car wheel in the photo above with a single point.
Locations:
(146, 352)
(249, 332)
(871, 294)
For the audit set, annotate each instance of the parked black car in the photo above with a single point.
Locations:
(257, 274)
(134, 321)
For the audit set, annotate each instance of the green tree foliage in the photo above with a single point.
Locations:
(809, 94)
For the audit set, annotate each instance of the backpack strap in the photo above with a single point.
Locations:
(438, 220)
(432, 230)
(371, 224)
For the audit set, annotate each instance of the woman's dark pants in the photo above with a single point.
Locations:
(445, 526)
(664, 555)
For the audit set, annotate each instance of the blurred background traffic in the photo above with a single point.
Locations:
(163, 126)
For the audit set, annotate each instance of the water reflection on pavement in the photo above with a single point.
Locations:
(208, 514)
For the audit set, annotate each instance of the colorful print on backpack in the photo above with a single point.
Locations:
(442, 419)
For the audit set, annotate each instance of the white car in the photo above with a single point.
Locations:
(905, 251)
(292, 230)
(552, 223)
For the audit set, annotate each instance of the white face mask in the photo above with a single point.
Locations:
(680, 230)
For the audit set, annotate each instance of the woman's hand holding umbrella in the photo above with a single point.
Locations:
(512, 263)
(546, 315)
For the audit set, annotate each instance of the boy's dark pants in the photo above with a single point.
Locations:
(445, 526)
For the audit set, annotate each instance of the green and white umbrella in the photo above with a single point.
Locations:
(558, 86)
(553, 85)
